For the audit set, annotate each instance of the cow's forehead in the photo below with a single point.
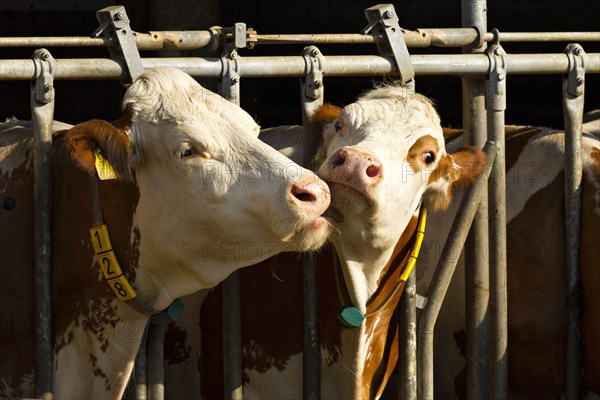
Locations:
(392, 116)
(167, 95)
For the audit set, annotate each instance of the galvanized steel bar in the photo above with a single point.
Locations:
(496, 105)
(311, 367)
(139, 381)
(407, 341)
(155, 360)
(545, 36)
(229, 87)
(232, 338)
(573, 100)
(443, 274)
(154, 40)
(312, 91)
(476, 264)
(42, 113)
(192, 40)
(294, 66)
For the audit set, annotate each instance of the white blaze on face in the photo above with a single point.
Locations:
(401, 136)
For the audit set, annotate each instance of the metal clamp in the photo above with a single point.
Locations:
(44, 76)
(312, 92)
(312, 82)
(229, 84)
(383, 22)
(577, 64)
(496, 82)
(114, 24)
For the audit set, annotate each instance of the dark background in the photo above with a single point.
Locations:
(532, 99)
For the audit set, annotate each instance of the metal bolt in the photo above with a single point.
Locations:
(234, 79)
(579, 81)
(318, 84)
(577, 51)
(388, 14)
(48, 87)
(45, 56)
(501, 76)
(314, 52)
(119, 16)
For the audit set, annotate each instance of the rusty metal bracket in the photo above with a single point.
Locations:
(114, 24)
(496, 82)
(44, 76)
(229, 83)
(577, 64)
(383, 22)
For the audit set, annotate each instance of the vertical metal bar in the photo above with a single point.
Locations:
(573, 99)
(229, 87)
(42, 113)
(476, 262)
(311, 96)
(443, 275)
(140, 391)
(407, 341)
(311, 367)
(155, 363)
(496, 105)
(232, 338)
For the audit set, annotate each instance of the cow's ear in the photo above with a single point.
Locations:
(322, 129)
(84, 139)
(454, 170)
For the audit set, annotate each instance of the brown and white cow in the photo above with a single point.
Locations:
(382, 156)
(206, 198)
(536, 270)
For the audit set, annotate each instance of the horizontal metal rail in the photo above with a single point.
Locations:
(180, 40)
(191, 40)
(449, 37)
(294, 66)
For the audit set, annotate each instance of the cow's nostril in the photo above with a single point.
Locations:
(373, 171)
(302, 194)
(338, 159)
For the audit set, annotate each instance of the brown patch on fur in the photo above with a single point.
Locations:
(325, 114)
(471, 161)
(176, 349)
(422, 145)
(82, 297)
(383, 347)
(84, 138)
(595, 156)
(450, 134)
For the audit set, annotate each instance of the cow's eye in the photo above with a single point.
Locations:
(428, 157)
(338, 126)
(187, 152)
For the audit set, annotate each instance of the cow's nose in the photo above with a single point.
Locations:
(310, 194)
(359, 168)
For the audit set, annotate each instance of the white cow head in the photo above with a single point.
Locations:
(213, 197)
(382, 156)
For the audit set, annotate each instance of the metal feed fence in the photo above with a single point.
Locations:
(483, 118)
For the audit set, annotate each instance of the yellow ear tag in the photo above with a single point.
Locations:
(103, 167)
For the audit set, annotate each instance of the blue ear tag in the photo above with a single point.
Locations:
(351, 317)
(172, 313)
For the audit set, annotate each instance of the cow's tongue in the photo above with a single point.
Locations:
(333, 214)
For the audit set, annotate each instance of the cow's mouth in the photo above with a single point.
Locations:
(333, 215)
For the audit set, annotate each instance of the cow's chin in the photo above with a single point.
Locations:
(311, 236)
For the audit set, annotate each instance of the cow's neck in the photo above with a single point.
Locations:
(374, 353)
(364, 265)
